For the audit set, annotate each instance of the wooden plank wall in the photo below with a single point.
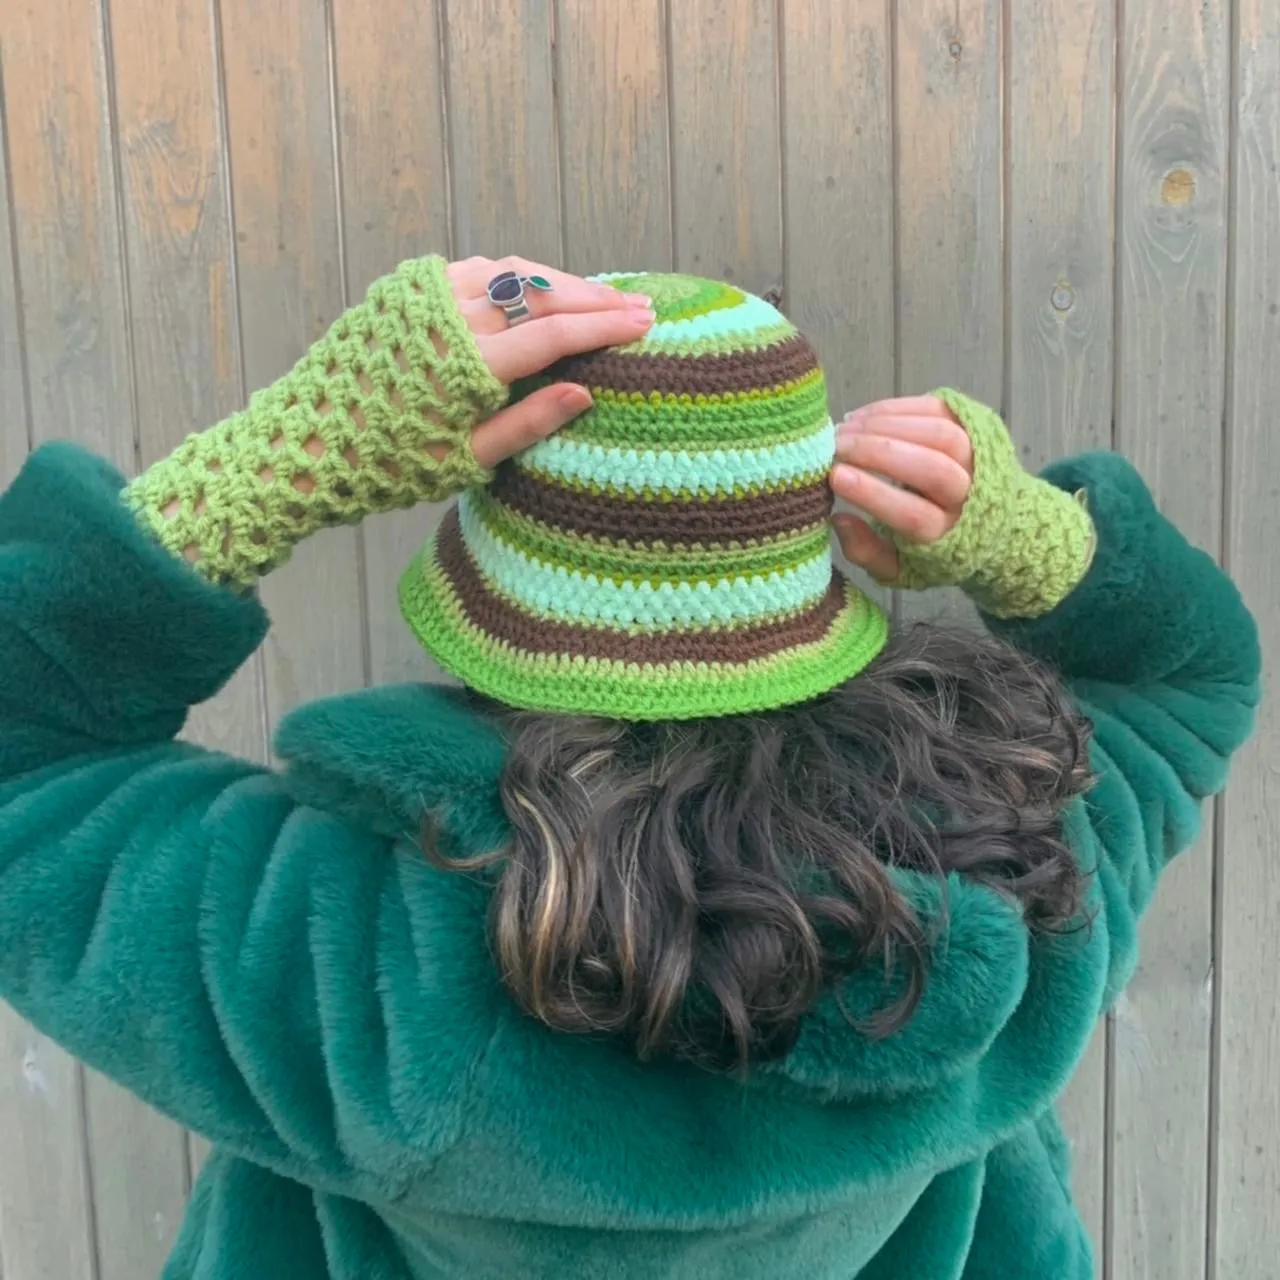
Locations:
(1068, 207)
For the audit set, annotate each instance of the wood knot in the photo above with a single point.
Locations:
(1178, 187)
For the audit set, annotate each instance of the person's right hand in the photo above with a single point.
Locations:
(574, 316)
(907, 464)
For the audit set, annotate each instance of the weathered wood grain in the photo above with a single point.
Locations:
(14, 413)
(1247, 1168)
(949, 284)
(14, 445)
(1170, 355)
(66, 233)
(614, 135)
(46, 1210)
(726, 157)
(837, 93)
(502, 132)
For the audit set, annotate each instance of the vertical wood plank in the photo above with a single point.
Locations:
(950, 294)
(614, 135)
(276, 61)
(837, 90)
(1248, 1153)
(14, 422)
(14, 442)
(502, 142)
(67, 236)
(950, 298)
(1061, 202)
(725, 134)
(138, 1180)
(66, 251)
(395, 205)
(1171, 282)
(1061, 304)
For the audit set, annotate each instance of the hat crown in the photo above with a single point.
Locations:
(716, 422)
(666, 555)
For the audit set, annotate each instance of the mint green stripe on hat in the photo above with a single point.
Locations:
(575, 684)
(666, 556)
(552, 591)
(711, 471)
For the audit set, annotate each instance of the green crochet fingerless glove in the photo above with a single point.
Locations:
(376, 416)
(1021, 544)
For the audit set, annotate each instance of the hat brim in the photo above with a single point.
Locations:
(577, 684)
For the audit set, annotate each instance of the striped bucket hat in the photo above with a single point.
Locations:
(667, 556)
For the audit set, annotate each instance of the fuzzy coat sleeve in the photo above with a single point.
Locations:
(1158, 648)
(169, 914)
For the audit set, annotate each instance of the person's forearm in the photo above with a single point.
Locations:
(376, 416)
(1152, 609)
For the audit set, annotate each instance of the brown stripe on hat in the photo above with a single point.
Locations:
(680, 521)
(717, 396)
(692, 375)
(495, 616)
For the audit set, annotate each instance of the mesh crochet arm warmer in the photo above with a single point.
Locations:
(376, 416)
(1022, 544)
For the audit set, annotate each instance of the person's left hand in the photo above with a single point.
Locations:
(906, 463)
(574, 316)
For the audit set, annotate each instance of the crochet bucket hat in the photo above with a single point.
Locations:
(667, 555)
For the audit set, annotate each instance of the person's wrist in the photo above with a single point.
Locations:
(376, 415)
(1045, 554)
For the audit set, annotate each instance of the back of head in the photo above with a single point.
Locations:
(718, 771)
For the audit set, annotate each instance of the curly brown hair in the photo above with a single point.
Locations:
(693, 887)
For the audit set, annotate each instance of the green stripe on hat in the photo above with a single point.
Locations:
(724, 421)
(666, 556)
(578, 684)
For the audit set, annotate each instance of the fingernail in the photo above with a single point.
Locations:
(639, 300)
(574, 400)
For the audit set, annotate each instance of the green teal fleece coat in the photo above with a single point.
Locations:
(266, 957)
